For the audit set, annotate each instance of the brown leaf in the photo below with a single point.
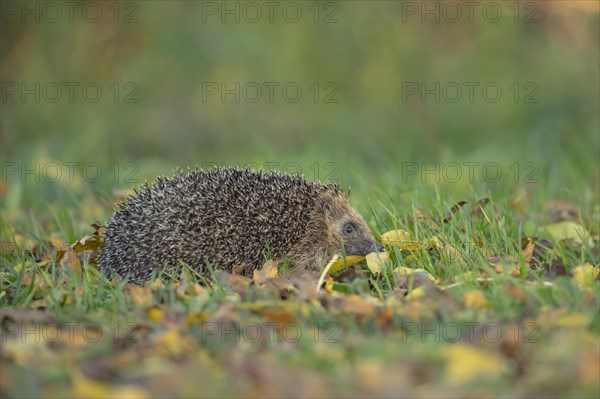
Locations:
(453, 210)
(238, 269)
(34, 279)
(268, 271)
(281, 316)
(359, 305)
(234, 282)
(139, 295)
(91, 242)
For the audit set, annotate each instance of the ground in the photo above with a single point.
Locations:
(478, 297)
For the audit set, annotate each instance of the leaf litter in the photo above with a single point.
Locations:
(224, 328)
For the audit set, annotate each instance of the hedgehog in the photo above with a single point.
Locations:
(226, 218)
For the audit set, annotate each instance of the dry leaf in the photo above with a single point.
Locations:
(570, 231)
(475, 300)
(139, 295)
(376, 261)
(585, 275)
(402, 239)
(268, 271)
(467, 363)
(338, 262)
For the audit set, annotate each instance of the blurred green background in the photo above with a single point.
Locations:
(356, 120)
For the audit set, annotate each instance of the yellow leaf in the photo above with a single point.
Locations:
(561, 317)
(400, 238)
(27, 244)
(328, 284)
(416, 293)
(435, 243)
(26, 265)
(466, 363)
(569, 230)
(196, 318)
(475, 300)
(338, 262)
(376, 261)
(585, 275)
(171, 342)
(155, 314)
(84, 387)
(405, 271)
(572, 320)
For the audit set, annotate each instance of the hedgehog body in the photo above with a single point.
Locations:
(230, 217)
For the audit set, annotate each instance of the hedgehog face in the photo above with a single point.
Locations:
(347, 229)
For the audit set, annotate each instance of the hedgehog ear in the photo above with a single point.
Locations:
(326, 207)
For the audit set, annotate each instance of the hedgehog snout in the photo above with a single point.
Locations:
(364, 248)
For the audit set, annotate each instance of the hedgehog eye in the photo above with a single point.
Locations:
(348, 228)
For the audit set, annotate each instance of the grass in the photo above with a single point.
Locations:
(67, 331)
(529, 330)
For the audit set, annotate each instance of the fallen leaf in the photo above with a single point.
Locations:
(405, 271)
(235, 282)
(139, 295)
(435, 243)
(268, 271)
(570, 231)
(451, 255)
(338, 262)
(475, 300)
(238, 269)
(155, 314)
(402, 239)
(376, 261)
(585, 275)
(172, 343)
(28, 265)
(466, 363)
(560, 317)
(357, 304)
(418, 292)
(453, 210)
